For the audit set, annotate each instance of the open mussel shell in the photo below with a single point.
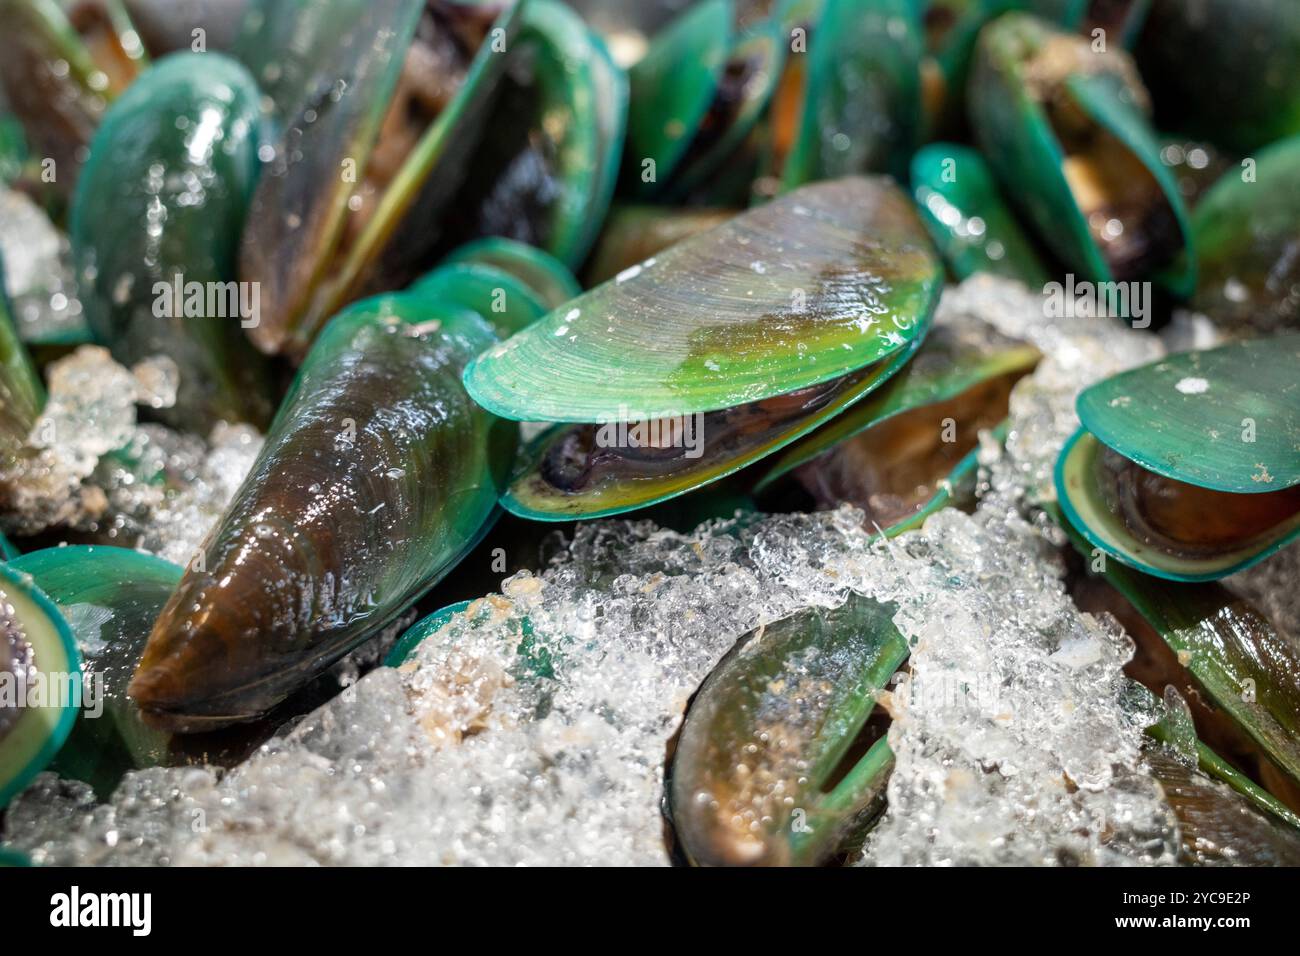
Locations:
(744, 89)
(907, 449)
(970, 222)
(41, 667)
(110, 598)
(545, 171)
(597, 470)
(1224, 70)
(1187, 468)
(1248, 245)
(786, 304)
(776, 762)
(385, 93)
(1063, 128)
(818, 284)
(671, 90)
(852, 102)
(549, 279)
(61, 65)
(156, 222)
(378, 475)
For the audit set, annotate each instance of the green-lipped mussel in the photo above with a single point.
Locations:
(1248, 245)
(110, 598)
(377, 476)
(1064, 130)
(959, 201)
(61, 65)
(403, 120)
(1187, 468)
(778, 758)
(40, 676)
(714, 353)
(156, 222)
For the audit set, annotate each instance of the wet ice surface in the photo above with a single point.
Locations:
(38, 272)
(92, 466)
(534, 728)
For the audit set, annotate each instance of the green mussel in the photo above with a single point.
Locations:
(1248, 244)
(61, 65)
(1187, 468)
(385, 163)
(1064, 130)
(696, 95)
(377, 476)
(1225, 70)
(960, 202)
(779, 756)
(21, 392)
(156, 222)
(1239, 675)
(849, 98)
(40, 681)
(110, 598)
(719, 351)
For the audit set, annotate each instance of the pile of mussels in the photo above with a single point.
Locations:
(696, 249)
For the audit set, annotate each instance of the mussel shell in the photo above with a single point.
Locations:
(671, 89)
(377, 476)
(1224, 70)
(1248, 245)
(769, 728)
(820, 283)
(548, 278)
(1223, 425)
(1017, 138)
(1215, 825)
(110, 598)
(742, 95)
(34, 640)
(1183, 416)
(331, 99)
(1165, 530)
(21, 392)
(861, 104)
(960, 202)
(545, 172)
(725, 447)
(58, 84)
(161, 199)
